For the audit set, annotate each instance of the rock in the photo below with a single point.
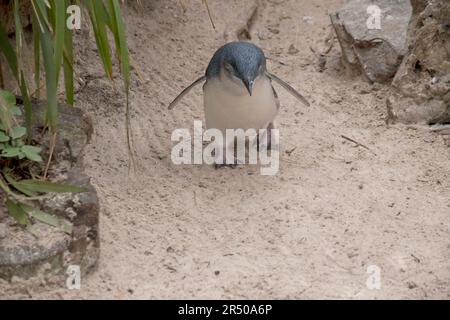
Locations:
(23, 256)
(48, 256)
(308, 19)
(292, 49)
(404, 109)
(75, 133)
(423, 79)
(376, 53)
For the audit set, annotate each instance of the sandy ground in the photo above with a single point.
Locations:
(311, 231)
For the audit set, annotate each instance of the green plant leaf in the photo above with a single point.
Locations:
(59, 31)
(8, 51)
(121, 40)
(53, 41)
(8, 97)
(96, 11)
(40, 10)
(9, 152)
(17, 185)
(32, 153)
(7, 100)
(68, 63)
(51, 69)
(26, 104)
(46, 186)
(16, 111)
(14, 62)
(37, 53)
(31, 149)
(19, 38)
(43, 216)
(49, 219)
(3, 137)
(17, 212)
(66, 226)
(18, 132)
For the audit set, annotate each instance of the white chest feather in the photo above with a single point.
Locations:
(228, 106)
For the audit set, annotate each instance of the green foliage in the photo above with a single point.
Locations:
(52, 43)
(12, 144)
(53, 53)
(21, 192)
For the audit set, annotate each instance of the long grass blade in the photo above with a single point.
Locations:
(8, 52)
(27, 105)
(7, 100)
(59, 33)
(17, 212)
(68, 63)
(19, 38)
(121, 41)
(20, 70)
(46, 186)
(18, 186)
(49, 66)
(98, 20)
(37, 54)
(46, 218)
(118, 29)
(11, 59)
(40, 8)
(50, 79)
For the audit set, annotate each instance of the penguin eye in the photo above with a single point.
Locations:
(229, 68)
(260, 69)
(232, 71)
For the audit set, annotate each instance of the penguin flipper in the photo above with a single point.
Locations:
(185, 91)
(288, 88)
(277, 101)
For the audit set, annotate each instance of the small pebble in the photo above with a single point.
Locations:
(170, 250)
(308, 19)
(292, 49)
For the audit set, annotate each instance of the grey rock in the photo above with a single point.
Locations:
(75, 133)
(24, 256)
(423, 79)
(408, 110)
(375, 53)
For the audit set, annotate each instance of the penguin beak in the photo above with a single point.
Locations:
(249, 85)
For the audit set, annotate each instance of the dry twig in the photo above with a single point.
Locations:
(357, 143)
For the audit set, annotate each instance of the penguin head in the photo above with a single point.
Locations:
(241, 62)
